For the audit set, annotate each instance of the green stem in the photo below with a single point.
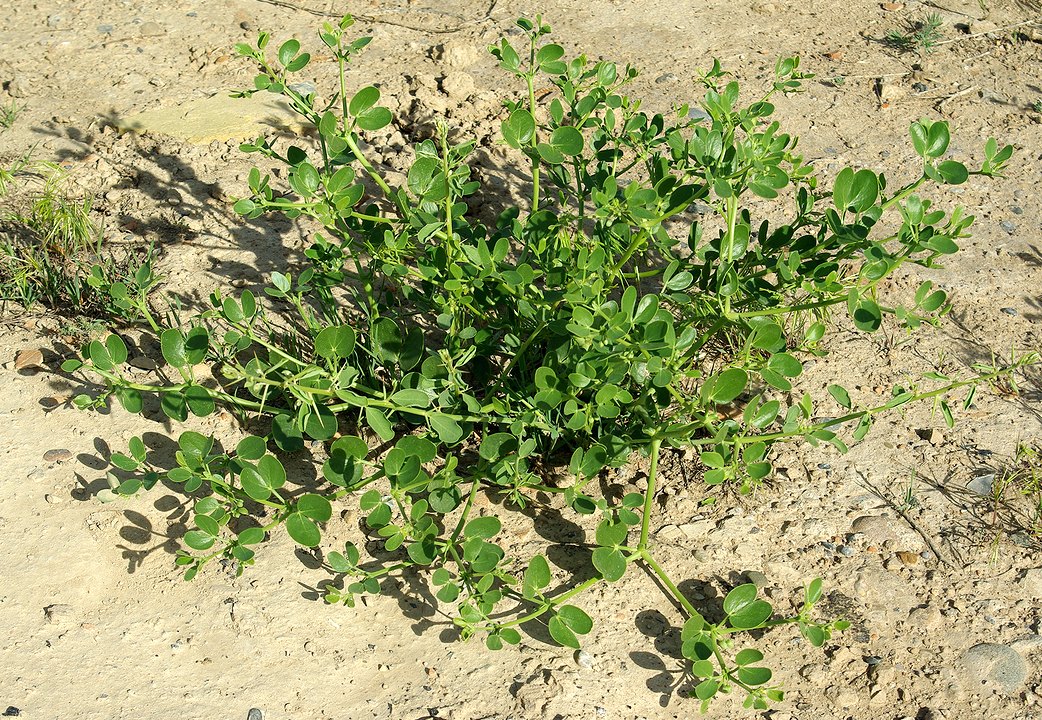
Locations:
(369, 169)
(342, 65)
(119, 381)
(649, 496)
(642, 236)
(670, 585)
(466, 512)
(549, 605)
(904, 192)
(824, 425)
(446, 171)
(505, 373)
(727, 248)
(530, 80)
(143, 307)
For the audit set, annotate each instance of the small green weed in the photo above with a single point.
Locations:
(437, 358)
(52, 254)
(922, 37)
(21, 167)
(8, 114)
(1017, 494)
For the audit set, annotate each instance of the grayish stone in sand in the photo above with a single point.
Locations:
(996, 665)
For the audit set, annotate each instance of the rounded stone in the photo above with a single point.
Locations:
(998, 665)
(57, 455)
(879, 529)
(583, 659)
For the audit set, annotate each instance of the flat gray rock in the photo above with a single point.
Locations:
(996, 665)
(219, 117)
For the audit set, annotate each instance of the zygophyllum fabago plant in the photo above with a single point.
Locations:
(613, 316)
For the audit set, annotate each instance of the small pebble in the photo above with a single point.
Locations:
(757, 578)
(255, 714)
(1009, 310)
(930, 435)
(149, 29)
(982, 484)
(1009, 227)
(28, 358)
(919, 87)
(1022, 539)
(583, 659)
(908, 558)
(668, 77)
(1017, 210)
(143, 363)
(872, 660)
(12, 711)
(846, 551)
(304, 88)
(219, 193)
(57, 455)
(105, 29)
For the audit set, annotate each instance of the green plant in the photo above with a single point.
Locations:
(922, 36)
(21, 167)
(1037, 106)
(1016, 496)
(51, 253)
(909, 499)
(436, 358)
(8, 114)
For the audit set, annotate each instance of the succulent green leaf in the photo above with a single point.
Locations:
(286, 434)
(610, 562)
(364, 99)
(303, 530)
(251, 447)
(728, 385)
(484, 527)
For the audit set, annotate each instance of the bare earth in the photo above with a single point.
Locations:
(944, 601)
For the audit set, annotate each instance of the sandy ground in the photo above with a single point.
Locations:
(942, 591)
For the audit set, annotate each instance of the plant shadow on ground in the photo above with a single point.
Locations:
(672, 676)
(568, 549)
(1033, 257)
(972, 348)
(201, 216)
(141, 531)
